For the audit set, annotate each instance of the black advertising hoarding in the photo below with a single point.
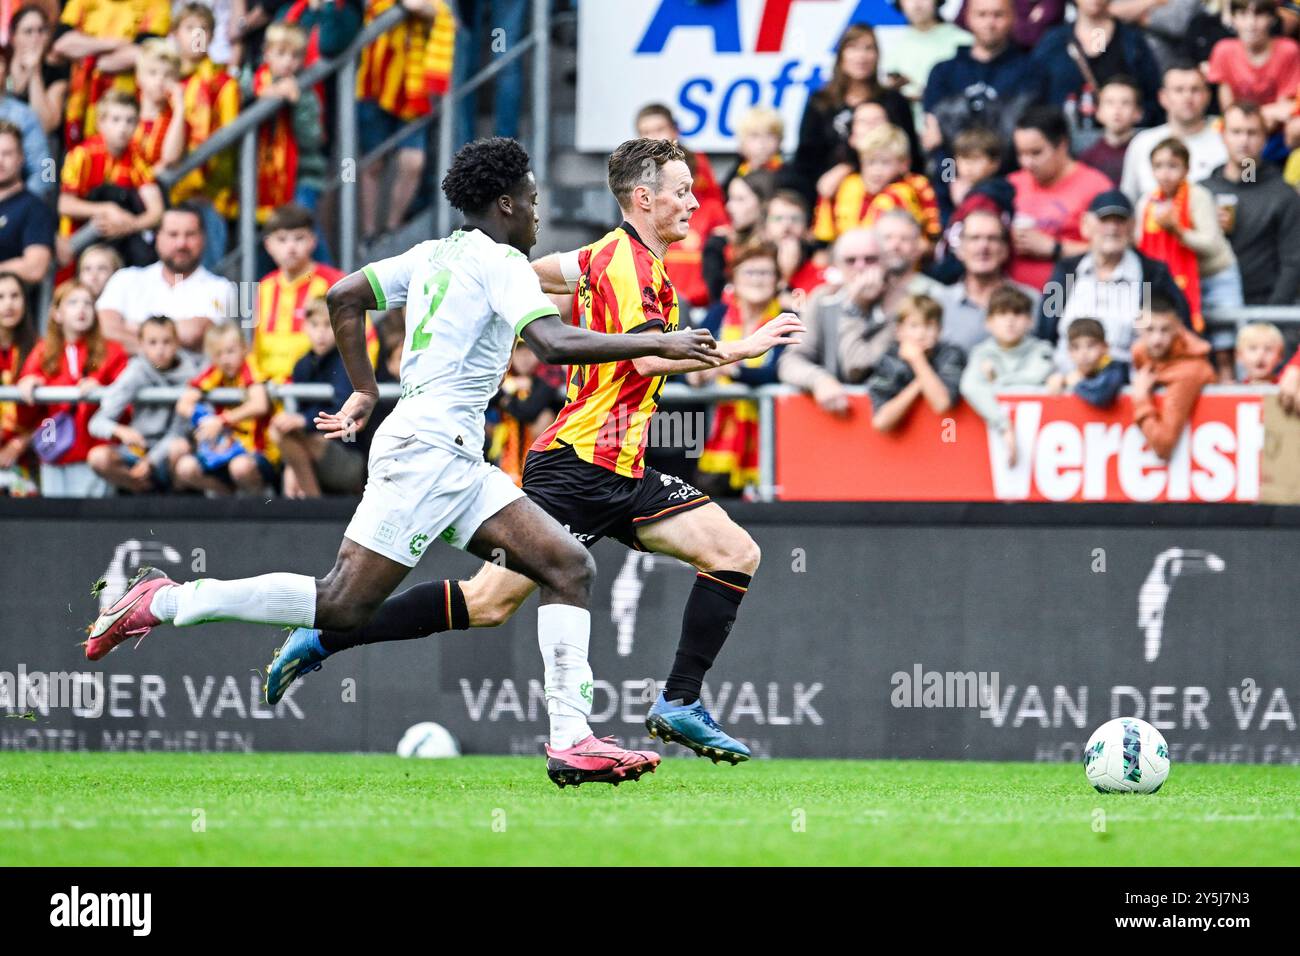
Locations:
(863, 636)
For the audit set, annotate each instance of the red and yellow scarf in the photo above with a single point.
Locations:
(277, 153)
(1169, 249)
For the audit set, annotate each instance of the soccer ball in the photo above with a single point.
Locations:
(1126, 755)
(428, 740)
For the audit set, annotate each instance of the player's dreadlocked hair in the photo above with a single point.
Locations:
(638, 162)
(483, 171)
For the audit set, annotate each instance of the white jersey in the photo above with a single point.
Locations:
(466, 298)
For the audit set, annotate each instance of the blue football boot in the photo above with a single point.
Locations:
(691, 725)
(300, 654)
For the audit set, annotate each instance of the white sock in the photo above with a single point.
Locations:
(563, 633)
(279, 598)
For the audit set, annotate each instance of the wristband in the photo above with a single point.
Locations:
(570, 269)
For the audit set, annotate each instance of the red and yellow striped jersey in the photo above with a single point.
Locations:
(280, 336)
(105, 20)
(853, 207)
(91, 164)
(149, 135)
(409, 65)
(251, 432)
(624, 287)
(211, 102)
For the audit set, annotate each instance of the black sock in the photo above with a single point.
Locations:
(710, 612)
(416, 612)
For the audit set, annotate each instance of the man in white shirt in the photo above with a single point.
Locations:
(1185, 98)
(177, 286)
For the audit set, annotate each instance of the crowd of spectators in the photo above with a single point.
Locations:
(1037, 194)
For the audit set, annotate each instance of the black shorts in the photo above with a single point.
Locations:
(593, 502)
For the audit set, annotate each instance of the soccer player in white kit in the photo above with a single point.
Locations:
(467, 297)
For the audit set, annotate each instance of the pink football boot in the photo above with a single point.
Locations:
(129, 616)
(593, 760)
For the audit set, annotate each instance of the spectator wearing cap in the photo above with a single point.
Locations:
(1258, 211)
(1185, 98)
(1109, 282)
(1052, 191)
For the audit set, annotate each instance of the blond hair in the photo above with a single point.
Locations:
(217, 334)
(158, 50)
(761, 120)
(289, 35)
(884, 139)
(1260, 332)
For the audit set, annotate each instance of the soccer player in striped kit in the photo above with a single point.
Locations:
(587, 470)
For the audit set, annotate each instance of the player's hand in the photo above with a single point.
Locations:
(350, 419)
(694, 345)
(783, 330)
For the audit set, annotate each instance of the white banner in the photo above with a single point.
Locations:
(709, 62)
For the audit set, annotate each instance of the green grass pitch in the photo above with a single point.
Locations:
(314, 809)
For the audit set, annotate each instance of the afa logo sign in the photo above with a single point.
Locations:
(710, 62)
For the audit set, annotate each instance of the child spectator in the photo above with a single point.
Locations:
(1096, 377)
(291, 147)
(96, 266)
(107, 181)
(73, 352)
(312, 462)
(149, 447)
(1170, 356)
(330, 25)
(1256, 66)
(917, 365)
(758, 141)
(399, 76)
(162, 97)
(747, 198)
(1259, 353)
(17, 338)
(1178, 224)
(1008, 358)
(1119, 109)
(524, 407)
(34, 78)
(975, 187)
(882, 183)
(280, 335)
(803, 263)
(729, 462)
(100, 43)
(232, 452)
(211, 101)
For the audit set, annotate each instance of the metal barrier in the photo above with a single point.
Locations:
(673, 394)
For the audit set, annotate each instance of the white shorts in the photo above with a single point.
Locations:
(417, 493)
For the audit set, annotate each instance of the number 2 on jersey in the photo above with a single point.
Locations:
(420, 339)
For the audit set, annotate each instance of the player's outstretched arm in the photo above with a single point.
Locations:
(551, 273)
(557, 343)
(783, 330)
(349, 299)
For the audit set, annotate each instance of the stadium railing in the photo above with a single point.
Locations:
(673, 394)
